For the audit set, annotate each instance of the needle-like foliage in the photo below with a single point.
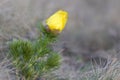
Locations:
(32, 59)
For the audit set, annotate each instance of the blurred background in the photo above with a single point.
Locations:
(92, 30)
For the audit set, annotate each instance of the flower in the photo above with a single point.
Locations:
(57, 21)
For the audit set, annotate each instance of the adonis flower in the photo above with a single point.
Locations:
(57, 21)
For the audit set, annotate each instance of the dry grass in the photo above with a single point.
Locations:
(110, 72)
(6, 70)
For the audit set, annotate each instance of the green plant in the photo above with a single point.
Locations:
(34, 58)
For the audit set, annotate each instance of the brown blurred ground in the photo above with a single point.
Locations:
(91, 19)
(93, 28)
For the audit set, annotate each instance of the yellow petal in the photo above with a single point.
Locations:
(57, 21)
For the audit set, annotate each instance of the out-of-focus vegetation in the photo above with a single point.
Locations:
(92, 34)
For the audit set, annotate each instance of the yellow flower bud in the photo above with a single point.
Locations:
(57, 21)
